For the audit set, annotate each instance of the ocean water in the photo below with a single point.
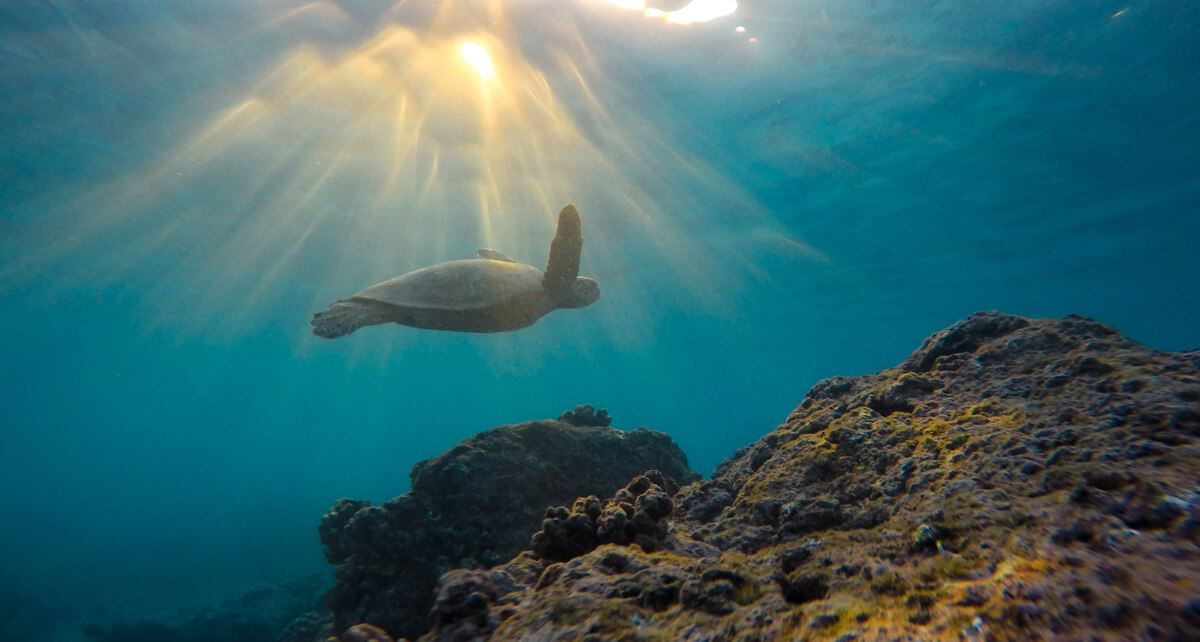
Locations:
(797, 190)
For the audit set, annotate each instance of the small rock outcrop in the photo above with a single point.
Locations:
(1013, 479)
(586, 415)
(473, 507)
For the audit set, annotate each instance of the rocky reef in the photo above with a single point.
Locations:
(1013, 479)
(475, 506)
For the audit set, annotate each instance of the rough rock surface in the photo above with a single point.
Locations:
(1014, 479)
(474, 506)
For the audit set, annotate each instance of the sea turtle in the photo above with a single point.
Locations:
(492, 293)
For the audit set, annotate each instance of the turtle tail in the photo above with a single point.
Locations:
(342, 318)
(563, 266)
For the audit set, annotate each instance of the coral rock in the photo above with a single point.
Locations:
(636, 514)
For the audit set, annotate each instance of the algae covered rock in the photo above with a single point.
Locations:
(474, 506)
(1047, 462)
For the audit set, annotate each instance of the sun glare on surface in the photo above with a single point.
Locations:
(635, 5)
(478, 58)
(702, 11)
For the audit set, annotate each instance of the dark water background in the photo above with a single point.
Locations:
(182, 184)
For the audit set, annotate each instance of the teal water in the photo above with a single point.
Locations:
(182, 184)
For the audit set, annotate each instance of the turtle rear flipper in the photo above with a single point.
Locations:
(342, 318)
(563, 266)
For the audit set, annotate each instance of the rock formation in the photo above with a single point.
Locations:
(1013, 479)
(474, 506)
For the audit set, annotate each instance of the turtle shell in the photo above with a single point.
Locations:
(475, 295)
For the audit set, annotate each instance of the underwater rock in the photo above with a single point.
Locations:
(586, 415)
(286, 612)
(1013, 479)
(308, 627)
(473, 507)
(363, 633)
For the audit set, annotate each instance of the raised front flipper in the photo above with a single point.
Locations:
(563, 266)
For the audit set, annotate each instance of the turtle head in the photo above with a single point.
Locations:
(580, 294)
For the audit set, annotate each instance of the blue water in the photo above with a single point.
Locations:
(182, 184)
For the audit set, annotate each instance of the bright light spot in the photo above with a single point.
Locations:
(740, 30)
(478, 58)
(702, 11)
(655, 13)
